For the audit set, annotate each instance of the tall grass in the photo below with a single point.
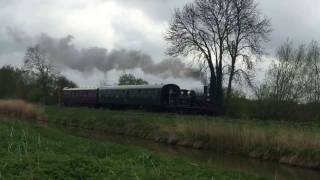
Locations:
(246, 137)
(21, 109)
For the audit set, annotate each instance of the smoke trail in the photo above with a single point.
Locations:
(62, 53)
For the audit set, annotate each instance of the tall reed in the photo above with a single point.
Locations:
(21, 109)
(246, 137)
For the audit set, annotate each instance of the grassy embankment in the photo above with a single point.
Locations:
(291, 143)
(35, 152)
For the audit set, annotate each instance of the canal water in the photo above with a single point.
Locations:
(220, 160)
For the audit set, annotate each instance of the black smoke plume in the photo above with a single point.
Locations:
(62, 53)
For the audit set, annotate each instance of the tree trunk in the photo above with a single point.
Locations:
(213, 85)
(219, 89)
(216, 91)
(230, 82)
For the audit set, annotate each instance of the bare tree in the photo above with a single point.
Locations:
(247, 31)
(312, 71)
(284, 75)
(200, 29)
(37, 63)
(295, 75)
(209, 29)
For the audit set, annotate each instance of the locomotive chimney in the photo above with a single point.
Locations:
(205, 91)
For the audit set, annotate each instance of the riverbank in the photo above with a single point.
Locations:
(289, 143)
(31, 151)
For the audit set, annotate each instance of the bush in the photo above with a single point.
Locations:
(239, 108)
(269, 109)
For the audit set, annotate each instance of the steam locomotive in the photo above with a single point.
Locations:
(166, 97)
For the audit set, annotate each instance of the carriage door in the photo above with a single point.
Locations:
(171, 99)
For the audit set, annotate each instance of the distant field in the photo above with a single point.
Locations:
(286, 142)
(34, 152)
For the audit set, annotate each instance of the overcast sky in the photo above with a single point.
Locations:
(129, 24)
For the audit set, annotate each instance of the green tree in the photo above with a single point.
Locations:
(130, 79)
(12, 82)
(60, 83)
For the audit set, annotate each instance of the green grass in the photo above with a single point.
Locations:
(287, 142)
(30, 151)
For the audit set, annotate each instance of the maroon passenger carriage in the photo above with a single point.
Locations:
(80, 97)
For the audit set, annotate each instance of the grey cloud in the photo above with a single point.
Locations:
(129, 37)
(294, 19)
(160, 10)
